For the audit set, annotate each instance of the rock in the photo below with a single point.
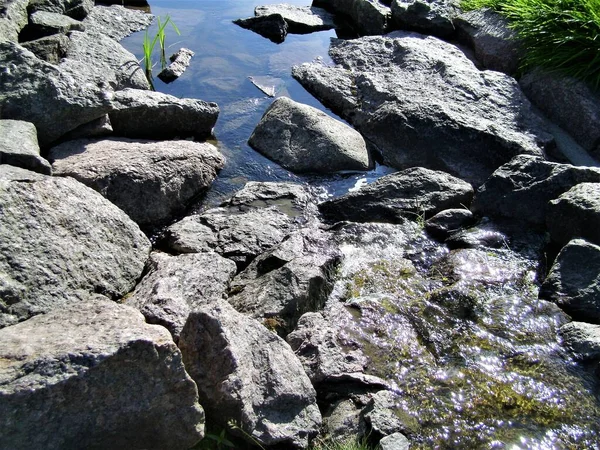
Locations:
(482, 236)
(76, 9)
(19, 146)
(384, 417)
(574, 281)
(521, 189)
(44, 23)
(116, 22)
(303, 139)
(570, 103)
(496, 46)
(97, 128)
(13, 18)
(13, 173)
(248, 374)
(56, 99)
(300, 19)
(62, 243)
(583, 339)
(292, 278)
(342, 421)
(174, 286)
(153, 115)
(50, 48)
(421, 102)
(408, 194)
(273, 27)
(109, 58)
(395, 441)
(576, 214)
(179, 62)
(446, 222)
(94, 375)
(432, 17)
(368, 17)
(150, 181)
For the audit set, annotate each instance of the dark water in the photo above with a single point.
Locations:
(225, 56)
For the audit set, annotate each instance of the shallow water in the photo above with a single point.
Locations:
(225, 56)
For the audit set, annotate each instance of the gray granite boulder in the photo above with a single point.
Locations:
(583, 339)
(273, 27)
(494, 43)
(12, 173)
(411, 194)
(300, 19)
(294, 277)
(368, 17)
(384, 416)
(180, 60)
(432, 17)
(49, 48)
(570, 103)
(421, 102)
(97, 128)
(448, 221)
(77, 9)
(522, 188)
(95, 375)
(304, 139)
(63, 243)
(13, 18)
(56, 99)
(154, 115)
(150, 181)
(248, 374)
(574, 281)
(576, 214)
(43, 23)
(174, 286)
(395, 441)
(116, 21)
(19, 146)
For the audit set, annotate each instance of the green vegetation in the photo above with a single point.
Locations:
(149, 44)
(558, 35)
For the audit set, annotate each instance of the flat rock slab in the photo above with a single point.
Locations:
(522, 188)
(180, 60)
(150, 181)
(152, 115)
(422, 102)
(303, 139)
(432, 17)
(61, 243)
(408, 194)
(176, 285)
(116, 21)
(19, 146)
(574, 281)
(95, 375)
(300, 19)
(246, 373)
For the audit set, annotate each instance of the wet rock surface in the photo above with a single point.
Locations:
(150, 181)
(19, 146)
(583, 339)
(96, 356)
(448, 221)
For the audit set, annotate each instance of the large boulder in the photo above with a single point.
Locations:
(412, 194)
(56, 99)
(495, 45)
(19, 146)
(574, 281)
(248, 374)
(576, 214)
(422, 102)
(294, 277)
(521, 189)
(13, 18)
(571, 103)
(176, 285)
(303, 139)
(43, 23)
(154, 115)
(368, 17)
(116, 22)
(77, 9)
(300, 19)
(432, 17)
(61, 243)
(150, 181)
(95, 375)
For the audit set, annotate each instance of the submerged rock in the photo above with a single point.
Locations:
(409, 194)
(303, 139)
(300, 19)
(174, 286)
(422, 102)
(95, 375)
(574, 281)
(432, 17)
(150, 181)
(63, 243)
(273, 27)
(248, 374)
(19, 146)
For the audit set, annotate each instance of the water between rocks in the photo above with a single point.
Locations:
(461, 336)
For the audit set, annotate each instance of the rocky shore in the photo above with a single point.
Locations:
(454, 303)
